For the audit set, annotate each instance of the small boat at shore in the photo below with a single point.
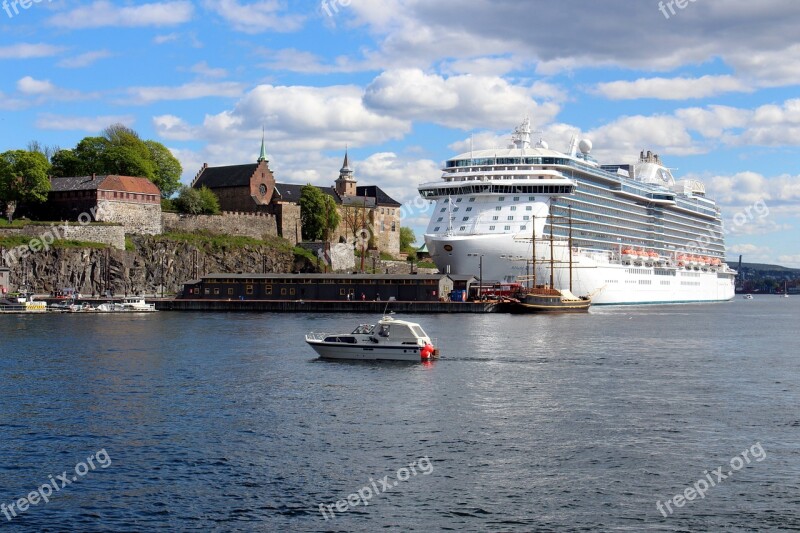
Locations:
(128, 305)
(389, 340)
(748, 296)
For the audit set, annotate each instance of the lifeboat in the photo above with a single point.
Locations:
(629, 254)
(716, 262)
(707, 260)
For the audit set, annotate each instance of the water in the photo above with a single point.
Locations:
(228, 422)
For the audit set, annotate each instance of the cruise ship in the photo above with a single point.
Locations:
(636, 235)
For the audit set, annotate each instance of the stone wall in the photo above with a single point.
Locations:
(255, 225)
(138, 218)
(111, 235)
(152, 263)
(289, 224)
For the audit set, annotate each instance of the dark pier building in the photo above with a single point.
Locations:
(337, 287)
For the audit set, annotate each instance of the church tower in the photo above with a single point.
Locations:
(346, 182)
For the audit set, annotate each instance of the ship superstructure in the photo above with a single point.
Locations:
(638, 234)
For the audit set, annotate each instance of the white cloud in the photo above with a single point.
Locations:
(166, 38)
(464, 101)
(187, 91)
(173, 128)
(792, 261)
(29, 51)
(203, 69)
(714, 120)
(31, 86)
(256, 17)
(84, 60)
(396, 175)
(751, 253)
(102, 13)
(671, 88)
(88, 124)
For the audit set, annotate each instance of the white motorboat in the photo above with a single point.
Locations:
(128, 305)
(748, 296)
(389, 340)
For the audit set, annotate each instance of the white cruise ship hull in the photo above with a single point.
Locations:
(506, 256)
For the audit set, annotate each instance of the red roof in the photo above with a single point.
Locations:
(129, 184)
(112, 182)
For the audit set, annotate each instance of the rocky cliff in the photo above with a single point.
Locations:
(153, 262)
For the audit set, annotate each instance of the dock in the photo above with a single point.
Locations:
(324, 306)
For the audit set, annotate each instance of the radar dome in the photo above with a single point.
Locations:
(585, 146)
(542, 144)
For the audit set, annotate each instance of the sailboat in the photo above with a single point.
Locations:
(544, 298)
(785, 290)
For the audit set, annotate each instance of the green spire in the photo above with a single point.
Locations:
(263, 155)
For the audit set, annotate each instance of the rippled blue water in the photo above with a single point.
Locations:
(574, 423)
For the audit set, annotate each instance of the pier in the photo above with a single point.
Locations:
(324, 306)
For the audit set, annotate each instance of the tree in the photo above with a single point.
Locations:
(201, 201)
(120, 151)
(209, 203)
(66, 163)
(189, 201)
(23, 178)
(167, 168)
(44, 149)
(407, 239)
(319, 214)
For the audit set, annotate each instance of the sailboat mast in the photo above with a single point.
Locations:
(533, 259)
(569, 251)
(551, 252)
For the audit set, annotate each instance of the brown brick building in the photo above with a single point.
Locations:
(131, 201)
(252, 188)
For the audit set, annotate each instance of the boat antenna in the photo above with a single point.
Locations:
(386, 308)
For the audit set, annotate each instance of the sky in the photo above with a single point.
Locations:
(711, 86)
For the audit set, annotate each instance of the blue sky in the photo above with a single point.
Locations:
(712, 87)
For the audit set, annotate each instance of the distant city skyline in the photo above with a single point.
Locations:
(405, 84)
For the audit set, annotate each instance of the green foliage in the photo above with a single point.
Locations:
(426, 264)
(129, 246)
(168, 205)
(121, 151)
(300, 252)
(14, 223)
(67, 163)
(208, 201)
(19, 240)
(23, 178)
(167, 168)
(188, 201)
(407, 239)
(319, 214)
(200, 201)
